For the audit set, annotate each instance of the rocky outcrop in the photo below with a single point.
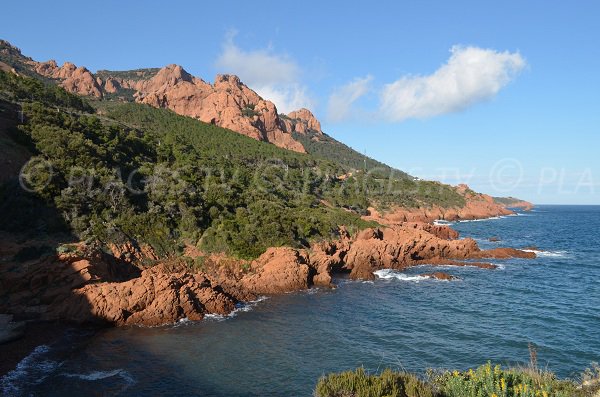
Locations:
(440, 276)
(74, 79)
(402, 246)
(29, 288)
(512, 202)
(131, 252)
(503, 253)
(301, 121)
(279, 270)
(477, 206)
(158, 296)
(227, 103)
(84, 285)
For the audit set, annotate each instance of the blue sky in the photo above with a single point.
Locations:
(502, 95)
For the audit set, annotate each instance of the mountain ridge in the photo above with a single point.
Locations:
(246, 112)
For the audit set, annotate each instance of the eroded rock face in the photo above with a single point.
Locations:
(157, 297)
(227, 103)
(78, 80)
(301, 121)
(400, 247)
(31, 287)
(279, 270)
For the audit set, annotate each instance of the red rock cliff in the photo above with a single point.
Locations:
(227, 103)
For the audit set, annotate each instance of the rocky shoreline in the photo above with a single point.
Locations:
(86, 286)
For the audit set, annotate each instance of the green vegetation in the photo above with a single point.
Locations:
(134, 75)
(133, 172)
(249, 111)
(14, 88)
(325, 147)
(153, 176)
(485, 381)
(507, 201)
(12, 57)
(359, 384)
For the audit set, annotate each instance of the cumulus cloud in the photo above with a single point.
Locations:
(471, 75)
(341, 100)
(273, 76)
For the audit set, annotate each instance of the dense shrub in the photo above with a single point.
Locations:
(485, 381)
(360, 384)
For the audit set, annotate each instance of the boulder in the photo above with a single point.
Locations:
(279, 270)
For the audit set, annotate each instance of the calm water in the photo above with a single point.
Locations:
(279, 347)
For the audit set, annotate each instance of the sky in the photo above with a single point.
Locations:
(503, 96)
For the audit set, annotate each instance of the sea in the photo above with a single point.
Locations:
(282, 345)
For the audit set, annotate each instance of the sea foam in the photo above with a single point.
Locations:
(99, 375)
(548, 254)
(240, 307)
(33, 369)
(389, 274)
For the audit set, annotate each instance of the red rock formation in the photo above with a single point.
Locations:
(34, 286)
(74, 79)
(157, 297)
(503, 253)
(440, 276)
(129, 252)
(96, 287)
(301, 121)
(279, 270)
(400, 247)
(477, 206)
(227, 103)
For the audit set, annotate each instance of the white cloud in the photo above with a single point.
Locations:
(471, 75)
(273, 76)
(287, 97)
(341, 100)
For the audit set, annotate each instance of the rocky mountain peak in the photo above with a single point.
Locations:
(173, 73)
(227, 102)
(307, 121)
(229, 79)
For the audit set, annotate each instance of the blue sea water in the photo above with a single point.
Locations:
(282, 345)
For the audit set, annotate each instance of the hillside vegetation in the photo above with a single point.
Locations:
(131, 172)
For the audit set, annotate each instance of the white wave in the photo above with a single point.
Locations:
(548, 254)
(442, 222)
(33, 369)
(99, 375)
(182, 322)
(216, 317)
(464, 266)
(483, 219)
(240, 307)
(389, 274)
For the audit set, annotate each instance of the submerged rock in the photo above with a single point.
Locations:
(440, 276)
